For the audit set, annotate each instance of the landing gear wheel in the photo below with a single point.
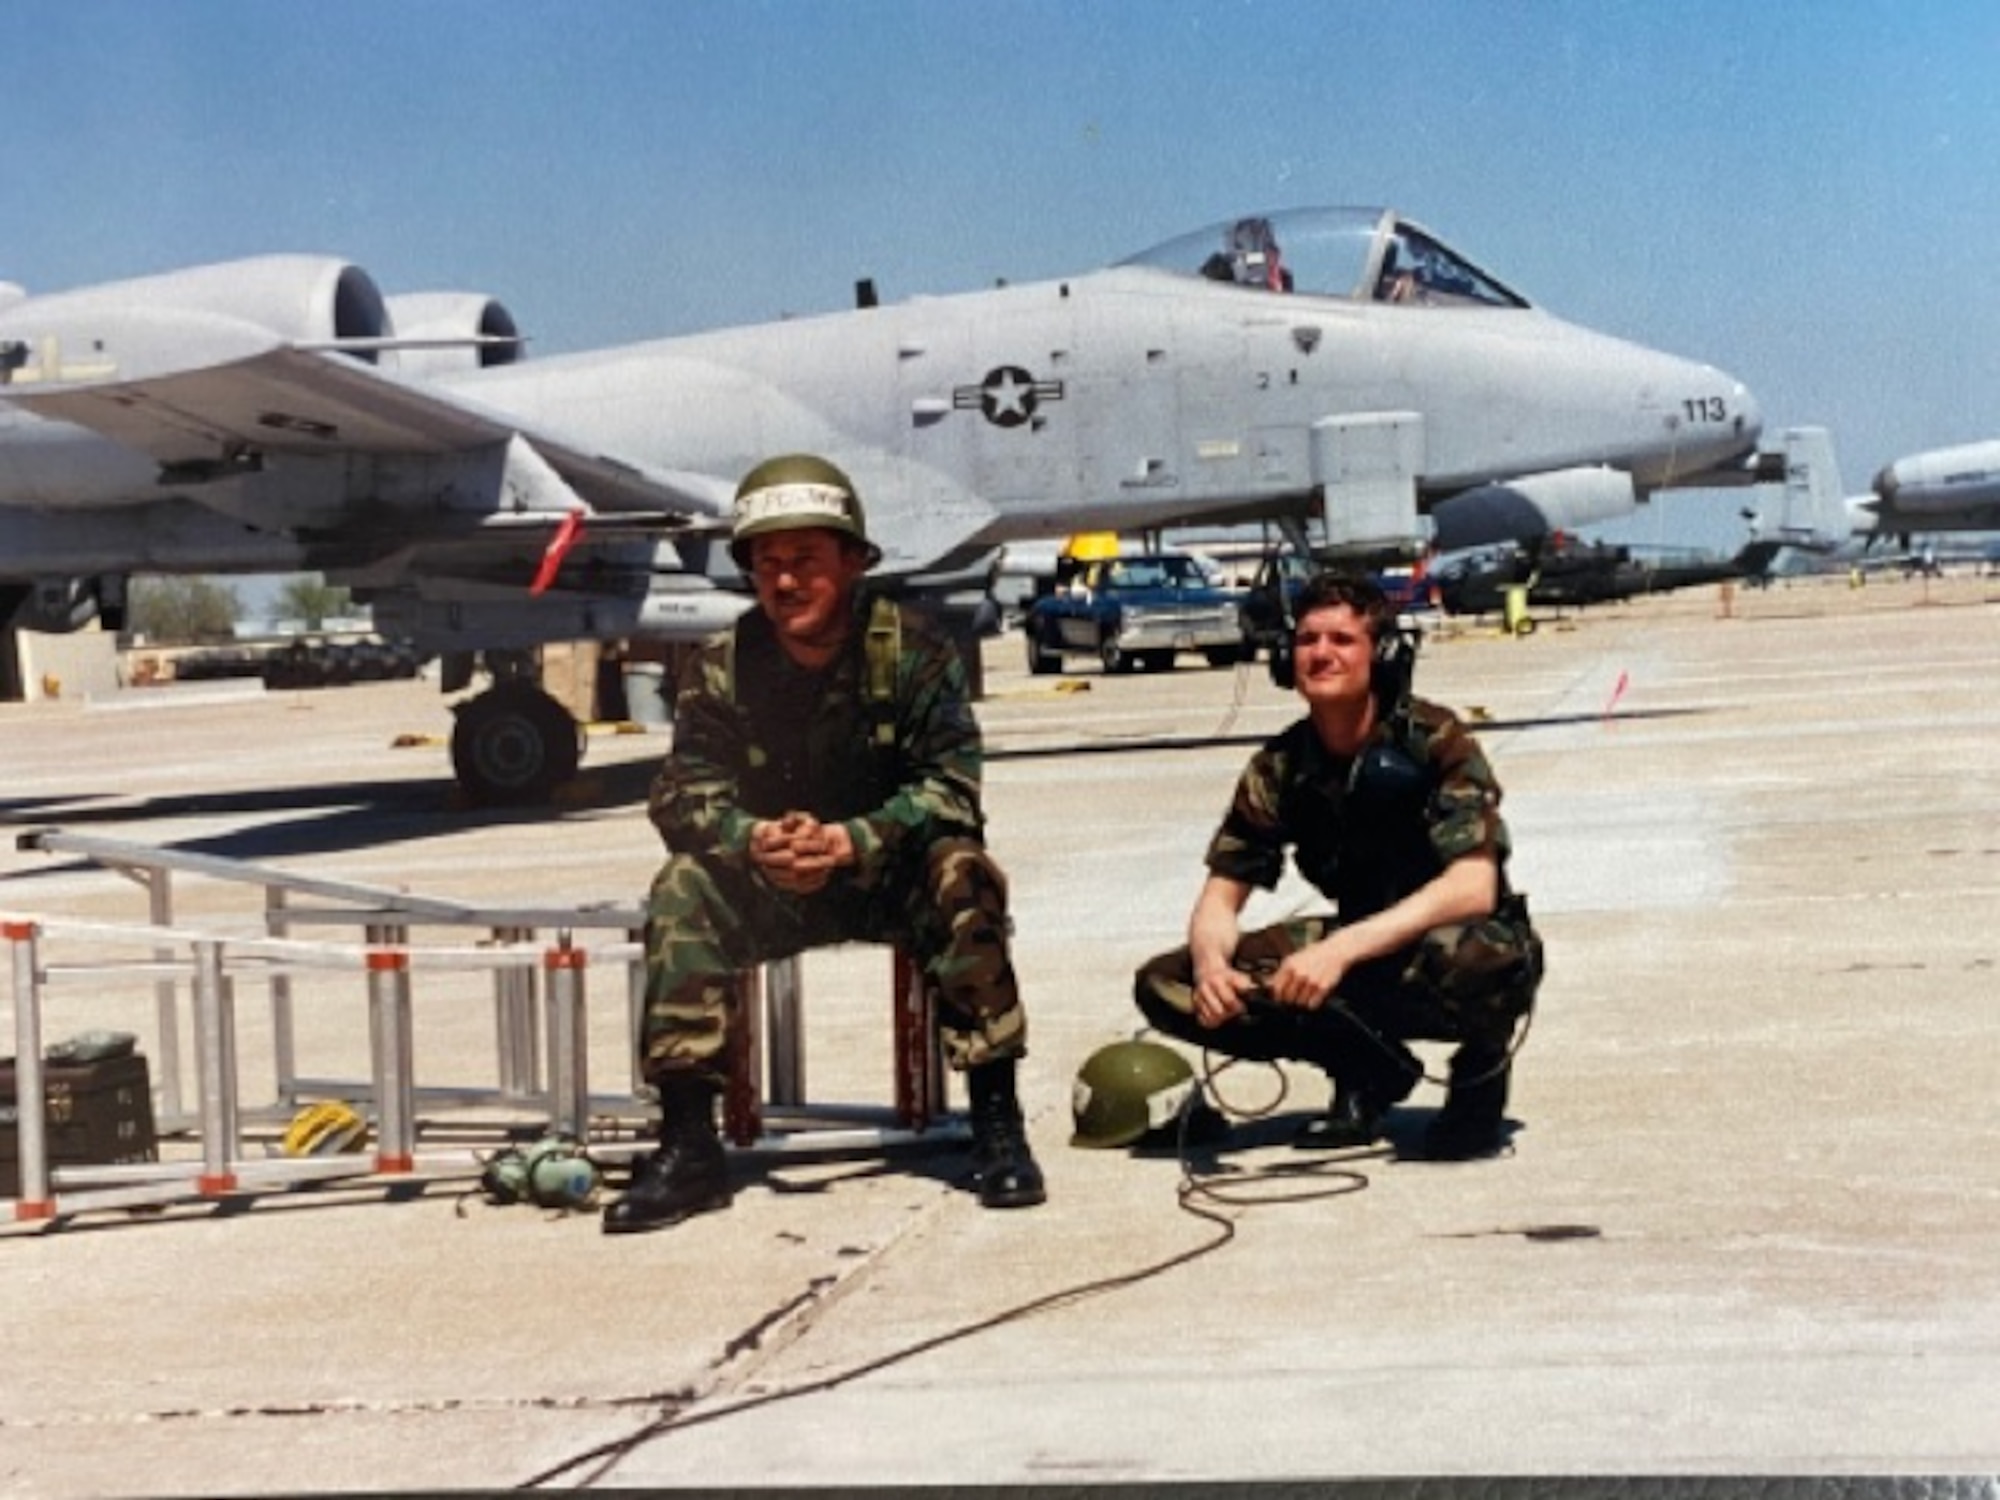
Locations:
(514, 744)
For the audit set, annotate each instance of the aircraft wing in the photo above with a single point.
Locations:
(284, 399)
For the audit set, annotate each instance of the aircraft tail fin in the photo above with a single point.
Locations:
(1812, 508)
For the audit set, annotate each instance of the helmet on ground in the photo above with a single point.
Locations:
(325, 1129)
(1126, 1090)
(791, 493)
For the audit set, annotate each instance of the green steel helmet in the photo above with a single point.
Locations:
(790, 493)
(1126, 1090)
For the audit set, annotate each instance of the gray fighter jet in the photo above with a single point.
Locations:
(1342, 371)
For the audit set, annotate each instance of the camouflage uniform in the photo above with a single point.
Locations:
(898, 765)
(1366, 832)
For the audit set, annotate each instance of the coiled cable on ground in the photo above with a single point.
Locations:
(1198, 1193)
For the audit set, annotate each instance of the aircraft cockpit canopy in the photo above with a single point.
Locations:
(1360, 254)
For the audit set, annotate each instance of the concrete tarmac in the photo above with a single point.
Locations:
(1748, 1223)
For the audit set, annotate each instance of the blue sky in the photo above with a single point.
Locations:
(1804, 194)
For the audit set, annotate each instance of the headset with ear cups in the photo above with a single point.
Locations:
(554, 1172)
(1395, 662)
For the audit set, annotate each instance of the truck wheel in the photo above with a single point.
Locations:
(1116, 658)
(1042, 662)
(1157, 661)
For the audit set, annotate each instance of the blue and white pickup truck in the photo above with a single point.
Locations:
(1136, 611)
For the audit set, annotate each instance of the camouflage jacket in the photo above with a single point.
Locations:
(756, 736)
(1369, 830)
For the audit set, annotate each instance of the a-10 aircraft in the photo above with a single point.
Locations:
(1808, 515)
(1341, 371)
(1941, 490)
(1944, 489)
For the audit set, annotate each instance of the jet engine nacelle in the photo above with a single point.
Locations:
(1531, 507)
(130, 329)
(452, 331)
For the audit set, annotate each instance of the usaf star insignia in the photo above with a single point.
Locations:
(1008, 395)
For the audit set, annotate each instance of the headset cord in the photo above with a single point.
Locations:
(605, 1455)
(1400, 1055)
(1333, 1178)
(1198, 1194)
(1240, 689)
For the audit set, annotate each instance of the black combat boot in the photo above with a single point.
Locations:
(1371, 1076)
(689, 1174)
(1472, 1122)
(1355, 1116)
(1003, 1166)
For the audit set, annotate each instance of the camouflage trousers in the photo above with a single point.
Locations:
(1468, 982)
(708, 919)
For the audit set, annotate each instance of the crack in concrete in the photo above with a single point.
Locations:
(661, 1400)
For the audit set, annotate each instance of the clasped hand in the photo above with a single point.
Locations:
(797, 853)
(1303, 980)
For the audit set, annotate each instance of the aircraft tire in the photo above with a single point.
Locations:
(514, 744)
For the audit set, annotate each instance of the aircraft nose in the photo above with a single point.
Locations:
(1719, 430)
(1749, 413)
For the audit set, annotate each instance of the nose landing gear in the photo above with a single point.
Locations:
(514, 744)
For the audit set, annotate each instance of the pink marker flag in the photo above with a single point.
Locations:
(1617, 691)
